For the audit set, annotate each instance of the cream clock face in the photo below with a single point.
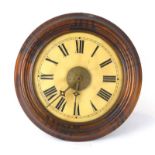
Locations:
(78, 77)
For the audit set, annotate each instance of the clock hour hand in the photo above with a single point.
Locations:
(62, 94)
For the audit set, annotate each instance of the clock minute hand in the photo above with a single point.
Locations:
(76, 93)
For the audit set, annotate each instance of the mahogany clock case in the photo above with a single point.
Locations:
(78, 22)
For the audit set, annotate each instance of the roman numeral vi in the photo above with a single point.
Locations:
(77, 110)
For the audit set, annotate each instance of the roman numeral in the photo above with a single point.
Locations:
(105, 63)
(63, 49)
(46, 76)
(52, 61)
(93, 106)
(104, 94)
(61, 104)
(109, 78)
(95, 51)
(50, 92)
(76, 110)
(79, 46)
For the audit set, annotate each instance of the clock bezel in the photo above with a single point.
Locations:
(48, 31)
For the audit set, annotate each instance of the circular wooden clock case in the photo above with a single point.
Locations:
(78, 77)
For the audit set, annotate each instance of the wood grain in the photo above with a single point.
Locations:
(78, 22)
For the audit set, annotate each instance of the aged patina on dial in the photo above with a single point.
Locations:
(78, 77)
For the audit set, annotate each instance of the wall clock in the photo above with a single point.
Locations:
(78, 77)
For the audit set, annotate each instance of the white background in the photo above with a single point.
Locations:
(18, 135)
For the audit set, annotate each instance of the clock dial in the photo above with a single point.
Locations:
(78, 77)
